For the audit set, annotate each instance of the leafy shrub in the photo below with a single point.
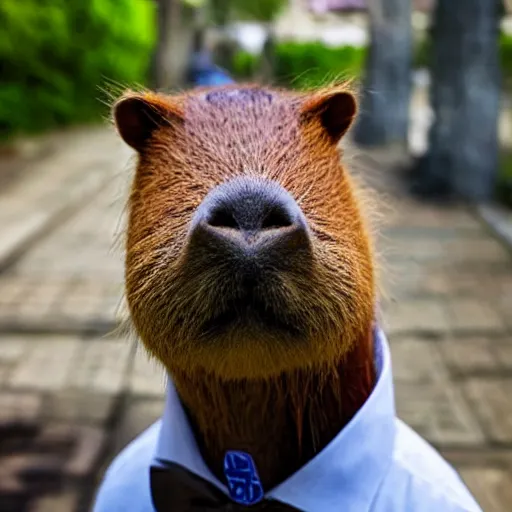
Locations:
(263, 11)
(421, 52)
(259, 10)
(506, 56)
(302, 65)
(504, 187)
(245, 65)
(55, 54)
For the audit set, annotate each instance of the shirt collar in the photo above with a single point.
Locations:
(345, 475)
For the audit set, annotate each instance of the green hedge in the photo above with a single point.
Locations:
(506, 56)
(505, 178)
(504, 188)
(56, 54)
(303, 65)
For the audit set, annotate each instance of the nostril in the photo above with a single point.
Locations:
(249, 215)
(222, 218)
(276, 218)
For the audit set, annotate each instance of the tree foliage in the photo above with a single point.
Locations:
(56, 54)
(264, 11)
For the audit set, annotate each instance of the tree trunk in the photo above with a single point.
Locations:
(384, 113)
(173, 45)
(463, 140)
(267, 62)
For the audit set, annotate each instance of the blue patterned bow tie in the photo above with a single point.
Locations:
(175, 489)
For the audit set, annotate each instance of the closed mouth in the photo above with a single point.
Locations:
(251, 314)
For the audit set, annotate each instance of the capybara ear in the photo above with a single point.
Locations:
(335, 107)
(138, 115)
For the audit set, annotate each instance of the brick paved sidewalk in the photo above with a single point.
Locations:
(76, 394)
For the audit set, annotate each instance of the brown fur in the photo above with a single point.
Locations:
(280, 397)
(282, 422)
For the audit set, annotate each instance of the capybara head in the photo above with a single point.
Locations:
(246, 253)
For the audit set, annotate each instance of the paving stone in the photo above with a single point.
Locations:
(491, 487)
(4, 375)
(17, 232)
(26, 406)
(393, 277)
(503, 353)
(86, 276)
(15, 491)
(469, 355)
(77, 175)
(494, 455)
(414, 281)
(504, 301)
(434, 282)
(437, 280)
(12, 348)
(12, 288)
(53, 436)
(47, 365)
(46, 461)
(480, 250)
(419, 250)
(69, 306)
(416, 360)
(148, 376)
(67, 501)
(74, 305)
(108, 315)
(82, 445)
(32, 309)
(417, 316)
(9, 313)
(87, 290)
(457, 218)
(138, 416)
(110, 311)
(439, 412)
(480, 282)
(491, 400)
(43, 291)
(101, 365)
(89, 449)
(446, 232)
(80, 406)
(473, 315)
(410, 213)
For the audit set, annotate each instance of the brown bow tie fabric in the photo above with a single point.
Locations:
(175, 489)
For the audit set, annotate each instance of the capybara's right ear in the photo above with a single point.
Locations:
(138, 115)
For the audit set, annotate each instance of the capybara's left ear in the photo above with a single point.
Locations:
(138, 115)
(335, 107)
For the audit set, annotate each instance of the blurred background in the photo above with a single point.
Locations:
(433, 143)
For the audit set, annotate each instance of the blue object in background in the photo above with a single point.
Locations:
(203, 72)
